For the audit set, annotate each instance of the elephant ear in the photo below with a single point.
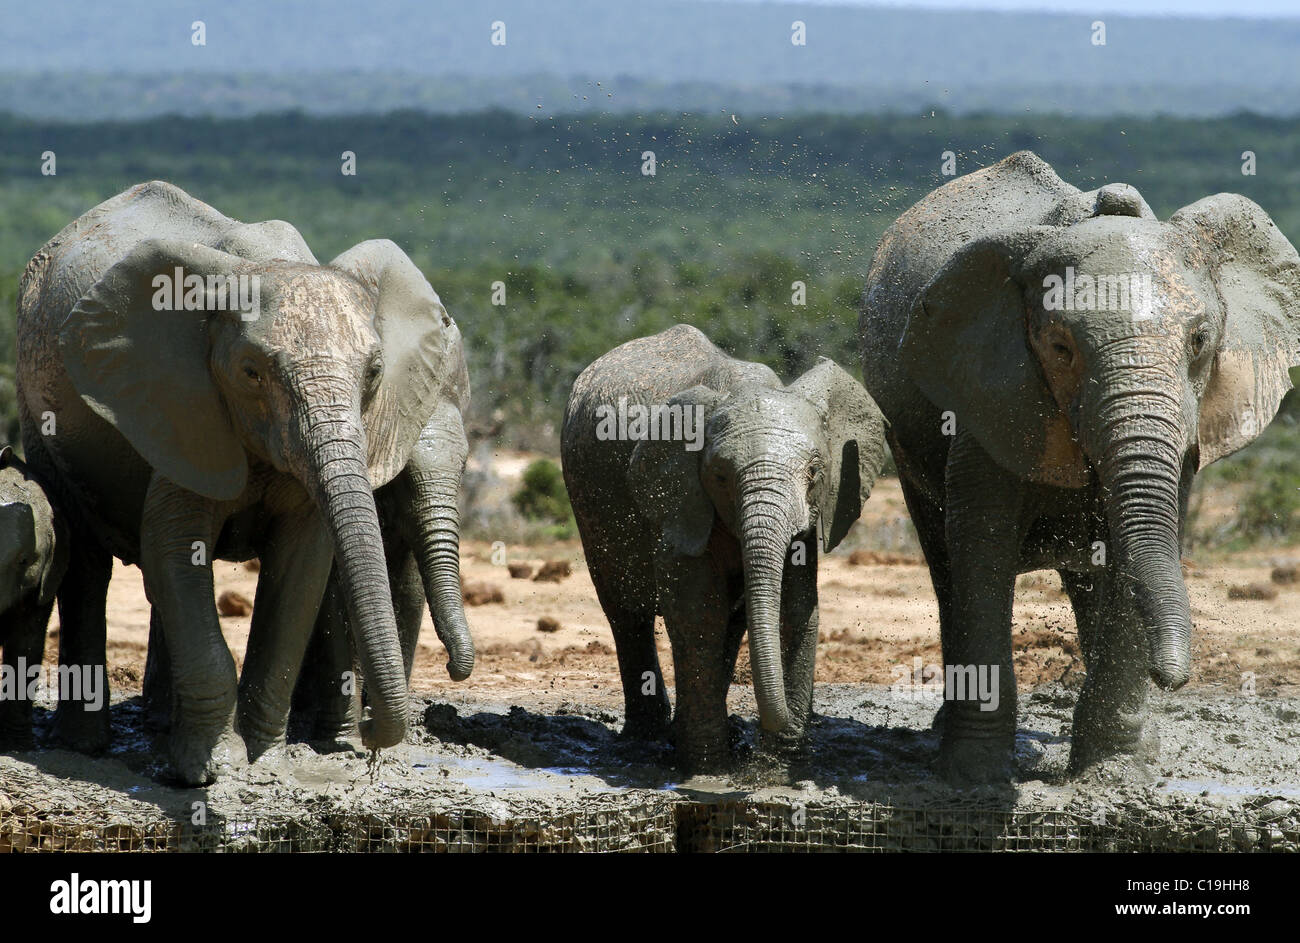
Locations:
(966, 346)
(664, 477)
(147, 371)
(856, 440)
(424, 357)
(1257, 273)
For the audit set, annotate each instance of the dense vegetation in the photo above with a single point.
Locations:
(591, 251)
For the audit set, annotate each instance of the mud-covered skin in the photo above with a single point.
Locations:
(420, 520)
(719, 539)
(33, 558)
(183, 436)
(1029, 438)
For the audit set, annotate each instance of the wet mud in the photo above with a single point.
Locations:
(549, 773)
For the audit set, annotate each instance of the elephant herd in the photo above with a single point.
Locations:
(1049, 367)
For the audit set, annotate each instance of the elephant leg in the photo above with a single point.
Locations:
(799, 620)
(408, 602)
(157, 678)
(697, 614)
(24, 648)
(296, 562)
(176, 525)
(645, 699)
(1109, 719)
(83, 642)
(326, 704)
(928, 519)
(984, 530)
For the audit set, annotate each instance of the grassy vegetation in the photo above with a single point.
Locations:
(593, 253)
(542, 498)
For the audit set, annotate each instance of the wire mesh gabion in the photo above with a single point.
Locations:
(745, 826)
(672, 825)
(645, 829)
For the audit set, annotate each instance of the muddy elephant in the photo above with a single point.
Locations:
(700, 484)
(192, 387)
(419, 518)
(1056, 366)
(33, 558)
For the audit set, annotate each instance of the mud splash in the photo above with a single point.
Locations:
(552, 774)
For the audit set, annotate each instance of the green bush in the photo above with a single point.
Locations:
(543, 498)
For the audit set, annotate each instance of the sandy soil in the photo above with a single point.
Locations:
(874, 617)
(525, 755)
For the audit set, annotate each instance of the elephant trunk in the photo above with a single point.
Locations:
(1140, 462)
(338, 480)
(764, 534)
(438, 553)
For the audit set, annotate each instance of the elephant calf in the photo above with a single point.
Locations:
(1056, 366)
(33, 558)
(699, 484)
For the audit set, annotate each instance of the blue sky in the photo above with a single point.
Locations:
(1207, 8)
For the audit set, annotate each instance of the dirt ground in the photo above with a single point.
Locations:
(876, 615)
(525, 754)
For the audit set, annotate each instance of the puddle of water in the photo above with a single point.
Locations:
(502, 774)
(494, 774)
(1199, 786)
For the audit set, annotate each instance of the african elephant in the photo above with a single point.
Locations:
(1056, 366)
(715, 497)
(33, 557)
(420, 521)
(251, 415)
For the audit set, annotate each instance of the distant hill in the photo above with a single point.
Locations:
(135, 58)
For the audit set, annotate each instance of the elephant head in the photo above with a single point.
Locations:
(1119, 350)
(774, 465)
(28, 566)
(329, 378)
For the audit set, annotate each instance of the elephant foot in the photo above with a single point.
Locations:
(1103, 736)
(976, 761)
(273, 757)
(789, 746)
(941, 717)
(83, 730)
(1117, 769)
(1124, 752)
(257, 748)
(328, 745)
(200, 760)
(646, 728)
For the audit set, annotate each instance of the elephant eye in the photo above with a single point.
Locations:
(251, 373)
(1199, 339)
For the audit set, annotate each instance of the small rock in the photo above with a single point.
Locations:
(520, 571)
(548, 624)
(1252, 591)
(231, 603)
(553, 571)
(480, 593)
